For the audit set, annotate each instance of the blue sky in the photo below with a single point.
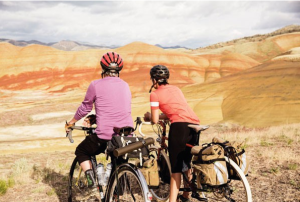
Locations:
(191, 24)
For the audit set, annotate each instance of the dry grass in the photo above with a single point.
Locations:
(273, 152)
(277, 143)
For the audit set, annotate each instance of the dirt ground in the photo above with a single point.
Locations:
(37, 165)
(46, 178)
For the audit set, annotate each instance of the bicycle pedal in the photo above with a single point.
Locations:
(197, 196)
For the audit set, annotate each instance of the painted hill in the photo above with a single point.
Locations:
(252, 83)
(259, 47)
(43, 67)
(261, 96)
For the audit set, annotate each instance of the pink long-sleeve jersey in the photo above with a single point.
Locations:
(112, 99)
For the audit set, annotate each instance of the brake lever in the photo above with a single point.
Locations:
(69, 135)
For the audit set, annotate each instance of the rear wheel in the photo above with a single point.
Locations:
(162, 192)
(126, 187)
(235, 190)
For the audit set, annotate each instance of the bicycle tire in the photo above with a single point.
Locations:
(132, 185)
(235, 190)
(77, 185)
(162, 192)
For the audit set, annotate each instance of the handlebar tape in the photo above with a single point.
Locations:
(134, 146)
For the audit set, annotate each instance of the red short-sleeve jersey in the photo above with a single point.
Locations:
(171, 101)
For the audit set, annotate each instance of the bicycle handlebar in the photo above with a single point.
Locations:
(134, 146)
(140, 127)
(69, 134)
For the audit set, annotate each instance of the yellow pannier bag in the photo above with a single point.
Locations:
(210, 166)
(150, 172)
(236, 153)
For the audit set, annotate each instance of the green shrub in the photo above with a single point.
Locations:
(3, 187)
(275, 170)
(293, 166)
(265, 143)
(11, 182)
(50, 192)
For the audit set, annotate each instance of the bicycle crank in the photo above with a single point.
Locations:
(197, 196)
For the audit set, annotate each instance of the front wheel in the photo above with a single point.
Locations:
(237, 190)
(129, 185)
(77, 185)
(162, 191)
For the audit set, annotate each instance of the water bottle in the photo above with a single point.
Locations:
(107, 173)
(100, 173)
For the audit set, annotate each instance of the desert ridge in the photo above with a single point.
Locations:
(252, 81)
(43, 67)
(266, 95)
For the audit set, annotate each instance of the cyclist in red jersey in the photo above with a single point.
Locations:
(171, 101)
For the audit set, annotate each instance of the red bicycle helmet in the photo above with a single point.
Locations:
(111, 61)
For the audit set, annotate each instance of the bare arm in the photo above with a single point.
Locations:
(154, 116)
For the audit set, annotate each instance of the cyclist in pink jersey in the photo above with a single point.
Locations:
(111, 97)
(171, 101)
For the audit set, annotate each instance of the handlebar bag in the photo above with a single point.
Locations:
(210, 166)
(122, 141)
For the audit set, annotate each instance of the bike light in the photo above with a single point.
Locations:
(149, 195)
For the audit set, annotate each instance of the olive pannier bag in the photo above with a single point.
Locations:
(210, 166)
(236, 153)
(150, 172)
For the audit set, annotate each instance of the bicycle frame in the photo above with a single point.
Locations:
(219, 191)
(114, 173)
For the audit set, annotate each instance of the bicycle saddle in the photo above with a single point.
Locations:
(126, 130)
(198, 128)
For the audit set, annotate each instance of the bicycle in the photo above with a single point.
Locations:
(237, 189)
(161, 192)
(126, 182)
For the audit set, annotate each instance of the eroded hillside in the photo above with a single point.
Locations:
(248, 82)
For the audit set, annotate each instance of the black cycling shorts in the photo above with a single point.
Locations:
(90, 146)
(180, 134)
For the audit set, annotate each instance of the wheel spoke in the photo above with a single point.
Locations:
(127, 188)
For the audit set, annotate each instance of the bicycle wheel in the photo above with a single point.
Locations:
(130, 185)
(162, 192)
(235, 190)
(77, 185)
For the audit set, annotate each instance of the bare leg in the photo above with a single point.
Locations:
(174, 186)
(188, 173)
(86, 165)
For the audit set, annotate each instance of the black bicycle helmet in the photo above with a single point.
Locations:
(111, 61)
(160, 73)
